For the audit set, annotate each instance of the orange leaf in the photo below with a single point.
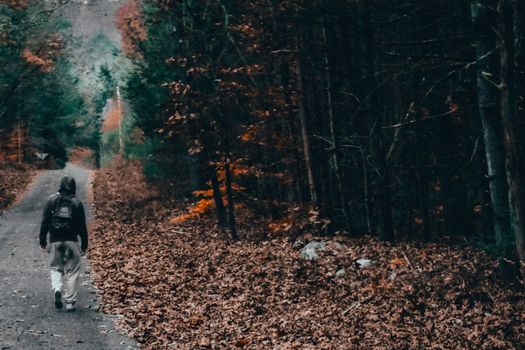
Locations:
(398, 262)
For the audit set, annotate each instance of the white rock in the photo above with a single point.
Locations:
(340, 273)
(309, 252)
(364, 263)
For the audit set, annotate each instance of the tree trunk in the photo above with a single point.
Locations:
(231, 206)
(304, 127)
(366, 194)
(295, 159)
(386, 229)
(519, 36)
(217, 197)
(492, 133)
(422, 176)
(335, 147)
(514, 163)
(519, 62)
(97, 156)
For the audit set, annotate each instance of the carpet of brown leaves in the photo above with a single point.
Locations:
(188, 287)
(14, 180)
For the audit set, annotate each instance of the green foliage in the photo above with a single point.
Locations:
(106, 90)
(37, 86)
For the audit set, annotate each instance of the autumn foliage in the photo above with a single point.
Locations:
(130, 22)
(112, 117)
(14, 180)
(15, 4)
(44, 64)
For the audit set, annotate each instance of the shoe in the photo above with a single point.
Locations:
(70, 307)
(58, 300)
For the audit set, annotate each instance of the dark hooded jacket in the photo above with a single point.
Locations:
(68, 189)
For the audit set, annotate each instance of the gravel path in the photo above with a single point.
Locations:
(28, 318)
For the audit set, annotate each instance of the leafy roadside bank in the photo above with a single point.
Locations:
(14, 180)
(187, 287)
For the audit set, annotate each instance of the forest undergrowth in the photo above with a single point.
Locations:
(14, 180)
(188, 286)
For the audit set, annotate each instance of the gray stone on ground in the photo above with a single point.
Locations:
(309, 251)
(364, 263)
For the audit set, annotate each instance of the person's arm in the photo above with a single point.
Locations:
(45, 224)
(82, 228)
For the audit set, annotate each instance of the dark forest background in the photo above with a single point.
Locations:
(397, 118)
(402, 119)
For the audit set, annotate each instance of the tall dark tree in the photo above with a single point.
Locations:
(514, 162)
(492, 131)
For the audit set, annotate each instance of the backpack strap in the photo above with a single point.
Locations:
(56, 204)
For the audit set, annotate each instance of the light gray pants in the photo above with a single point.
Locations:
(64, 258)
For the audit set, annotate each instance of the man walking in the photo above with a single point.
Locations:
(65, 220)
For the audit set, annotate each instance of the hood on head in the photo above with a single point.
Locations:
(67, 185)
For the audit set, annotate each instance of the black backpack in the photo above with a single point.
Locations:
(62, 215)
